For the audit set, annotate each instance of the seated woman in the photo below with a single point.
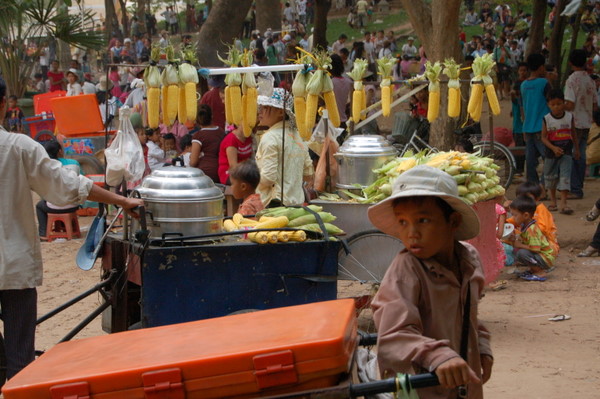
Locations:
(206, 140)
(43, 208)
(235, 148)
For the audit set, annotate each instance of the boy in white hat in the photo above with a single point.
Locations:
(430, 286)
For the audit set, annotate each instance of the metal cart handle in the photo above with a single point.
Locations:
(392, 384)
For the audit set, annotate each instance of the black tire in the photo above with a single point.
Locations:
(89, 164)
(502, 157)
(2, 362)
(44, 135)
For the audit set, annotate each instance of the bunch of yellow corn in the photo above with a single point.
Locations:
(359, 99)
(320, 83)
(299, 93)
(452, 70)
(188, 103)
(482, 80)
(249, 97)
(172, 81)
(152, 83)
(384, 67)
(164, 96)
(233, 91)
(432, 73)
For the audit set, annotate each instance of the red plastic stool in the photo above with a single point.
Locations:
(62, 225)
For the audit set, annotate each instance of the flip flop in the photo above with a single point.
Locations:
(560, 317)
(566, 211)
(552, 208)
(533, 277)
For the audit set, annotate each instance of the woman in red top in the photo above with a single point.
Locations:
(56, 77)
(205, 144)
(235, 148)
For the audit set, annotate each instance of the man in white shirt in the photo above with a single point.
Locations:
(30, 169)
(409, 48)
(301, 10)
(289, 14)
(361, 12)
(339, 44)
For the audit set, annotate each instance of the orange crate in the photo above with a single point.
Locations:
(41, 102)
(243, 356)
(77, 115)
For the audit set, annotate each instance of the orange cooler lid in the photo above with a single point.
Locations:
(77, 115)
(226, 356)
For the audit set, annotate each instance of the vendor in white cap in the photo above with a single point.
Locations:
(279, 163)
(409, 48)
(73, 86)
(430, 286)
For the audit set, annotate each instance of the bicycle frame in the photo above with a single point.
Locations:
(416, 143)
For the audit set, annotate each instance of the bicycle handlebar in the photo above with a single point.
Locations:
(393, 384)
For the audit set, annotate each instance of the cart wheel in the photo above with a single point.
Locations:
(89, 164)
(371, 253)
(2, 362)
(44, 135)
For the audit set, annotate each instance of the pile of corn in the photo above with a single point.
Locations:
(282, 217)
(476, 176)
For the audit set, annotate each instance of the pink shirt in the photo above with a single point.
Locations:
(418, 312)
(244, 151)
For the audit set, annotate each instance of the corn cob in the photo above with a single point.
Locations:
(432, 72)
(152, 83)
(331, 106)
(272, 237)
(452, 70)
(357, 74)
(283, 236)
(164, 96)
(298, 235)
(299, 93)
(189, 79)
(234, 81)
(228, 118)
(181, 107)
(313, 89)
(280, 221)
(153, 107)
(385, 66)
(229, 225)
(259, 237)
(237, 218)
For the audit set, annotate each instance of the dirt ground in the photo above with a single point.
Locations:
(534, 357)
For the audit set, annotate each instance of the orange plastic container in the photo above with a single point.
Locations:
(243, 356)
(41, 102)
(77, 115)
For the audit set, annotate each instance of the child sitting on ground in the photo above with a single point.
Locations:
(430, 285)
(244, 179)
(542, 216)
(532, 248)
(558, 135)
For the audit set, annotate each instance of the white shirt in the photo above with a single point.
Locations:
(74, 89)
(88, 88)
(580, 90)
(409, 50)
(156, 156)
(301, 7)
(26, 166)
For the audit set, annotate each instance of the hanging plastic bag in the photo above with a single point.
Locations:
(330, 147)
(124, 156)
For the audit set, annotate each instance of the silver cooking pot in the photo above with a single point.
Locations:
(182, 201)
(357, 158)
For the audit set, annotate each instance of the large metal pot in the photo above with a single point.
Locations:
(357, 158)
(182, 201)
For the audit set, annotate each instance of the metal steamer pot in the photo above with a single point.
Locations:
(357, 158)
(181, 201)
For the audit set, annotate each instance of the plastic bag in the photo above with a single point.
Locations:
(330, 147)
(124, 156)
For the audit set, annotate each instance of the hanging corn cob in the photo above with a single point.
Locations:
(358, 96)
(249, 97)
(313, 89)
(432, 73)
(172, 77)
(482, 80)
(164, 96)
(152, 84)
(189, 79)
(299, 93)
(384, 68)
(233, 91)
(452, 71)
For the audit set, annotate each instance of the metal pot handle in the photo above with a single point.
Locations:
(142, 234)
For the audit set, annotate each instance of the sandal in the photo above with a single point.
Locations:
(566, 211)
(533, 277)
(592, 214)
(588, 252)
(552, 208)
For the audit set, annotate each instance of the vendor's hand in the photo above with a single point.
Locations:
(129, 204)
(455, 372)
(486, 367)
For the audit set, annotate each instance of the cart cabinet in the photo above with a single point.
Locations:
(248, 355)
(194, 282)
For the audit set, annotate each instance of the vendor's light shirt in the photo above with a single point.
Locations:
(296, 165)
(26, 166)
(418, 312)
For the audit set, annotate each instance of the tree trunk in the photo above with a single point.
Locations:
(536, 32)
(111, 19)
(268, 15)
(124, 18)
(436, 25)
(320, 34)
(573, 46)
(139, 13)
(213, 38)
(555, 43)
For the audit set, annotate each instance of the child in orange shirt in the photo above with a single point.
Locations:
(244, 179)
(543, 218)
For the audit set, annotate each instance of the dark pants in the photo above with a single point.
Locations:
(42, 210)
(578, 169)
(520, 159)
(529, 258)
(19, 312)
(534, 148)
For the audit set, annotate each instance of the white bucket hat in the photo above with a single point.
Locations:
(281, 99)
(424, 181)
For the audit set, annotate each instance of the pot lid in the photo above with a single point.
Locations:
(178, 183)
(362, 144)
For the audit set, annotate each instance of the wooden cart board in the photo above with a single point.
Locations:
(247, 355)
